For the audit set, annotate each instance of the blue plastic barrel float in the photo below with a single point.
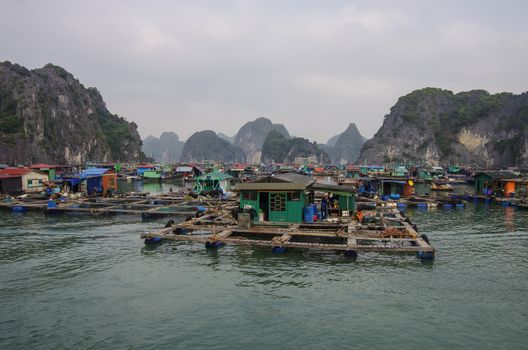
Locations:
(153, 240)
(421, 206)
(401, 205)
(394, 196)
(447, 206)
(308, 213)
(18, 208)
(384, 198)
(279, 250)
(459, 205)
(506, 203)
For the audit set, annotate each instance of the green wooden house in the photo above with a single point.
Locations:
(279, 198)
(213, 181)
(282, 198)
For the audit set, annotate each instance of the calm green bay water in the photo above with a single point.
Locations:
(75, 282)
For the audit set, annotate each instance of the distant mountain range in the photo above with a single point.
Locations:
(279, 149)
(46, 115)
(165, 149)
(251, 137)
(206, 145)
(248, 144)
(345, 147)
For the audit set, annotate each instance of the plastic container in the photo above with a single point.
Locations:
(308, 213)
(394, 196)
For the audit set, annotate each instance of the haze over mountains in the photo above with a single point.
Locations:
(249, 141)
(46, 115)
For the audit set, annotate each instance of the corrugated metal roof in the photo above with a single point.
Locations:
(95, 171)
(499, 174)
(269, 186)
(293, 177)
(215, 175)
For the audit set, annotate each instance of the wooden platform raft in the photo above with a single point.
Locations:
(387, 232)
(147, 207)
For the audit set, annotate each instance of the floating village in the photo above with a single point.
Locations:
(347, 209)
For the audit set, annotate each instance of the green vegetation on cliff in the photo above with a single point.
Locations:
(435, 125)
(46, 115)
(277, 148)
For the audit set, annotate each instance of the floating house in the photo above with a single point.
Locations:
(502, 183)
(285, 197)
(10, 184)
(399, 171)
(353, 172)
(49, 169)
(94, 181)
(372, 170)
(99, 180)
(388, 187)
(188, 171)
(32, 181)
(213, 181)
(152, 175)
(144, 167)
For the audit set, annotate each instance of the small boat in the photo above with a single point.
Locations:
(441, 187)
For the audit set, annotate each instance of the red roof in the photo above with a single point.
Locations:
(43, 166)
(5, 176)
(15, 171)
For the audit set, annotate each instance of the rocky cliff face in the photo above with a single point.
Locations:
(279, 149)
(165, 149)
(347, 145)
(206, 145)
(439, 127)
(229, 139)
(251, 137)
(46, 115)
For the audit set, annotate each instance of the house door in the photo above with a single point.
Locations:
(264, 204)
(277, 207)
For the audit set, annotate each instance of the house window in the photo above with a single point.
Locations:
(294, 197)
(249, 195)
(278, 202)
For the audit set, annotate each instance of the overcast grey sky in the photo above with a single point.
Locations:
(314, 66)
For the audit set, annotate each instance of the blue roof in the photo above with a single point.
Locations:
(94, 172)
